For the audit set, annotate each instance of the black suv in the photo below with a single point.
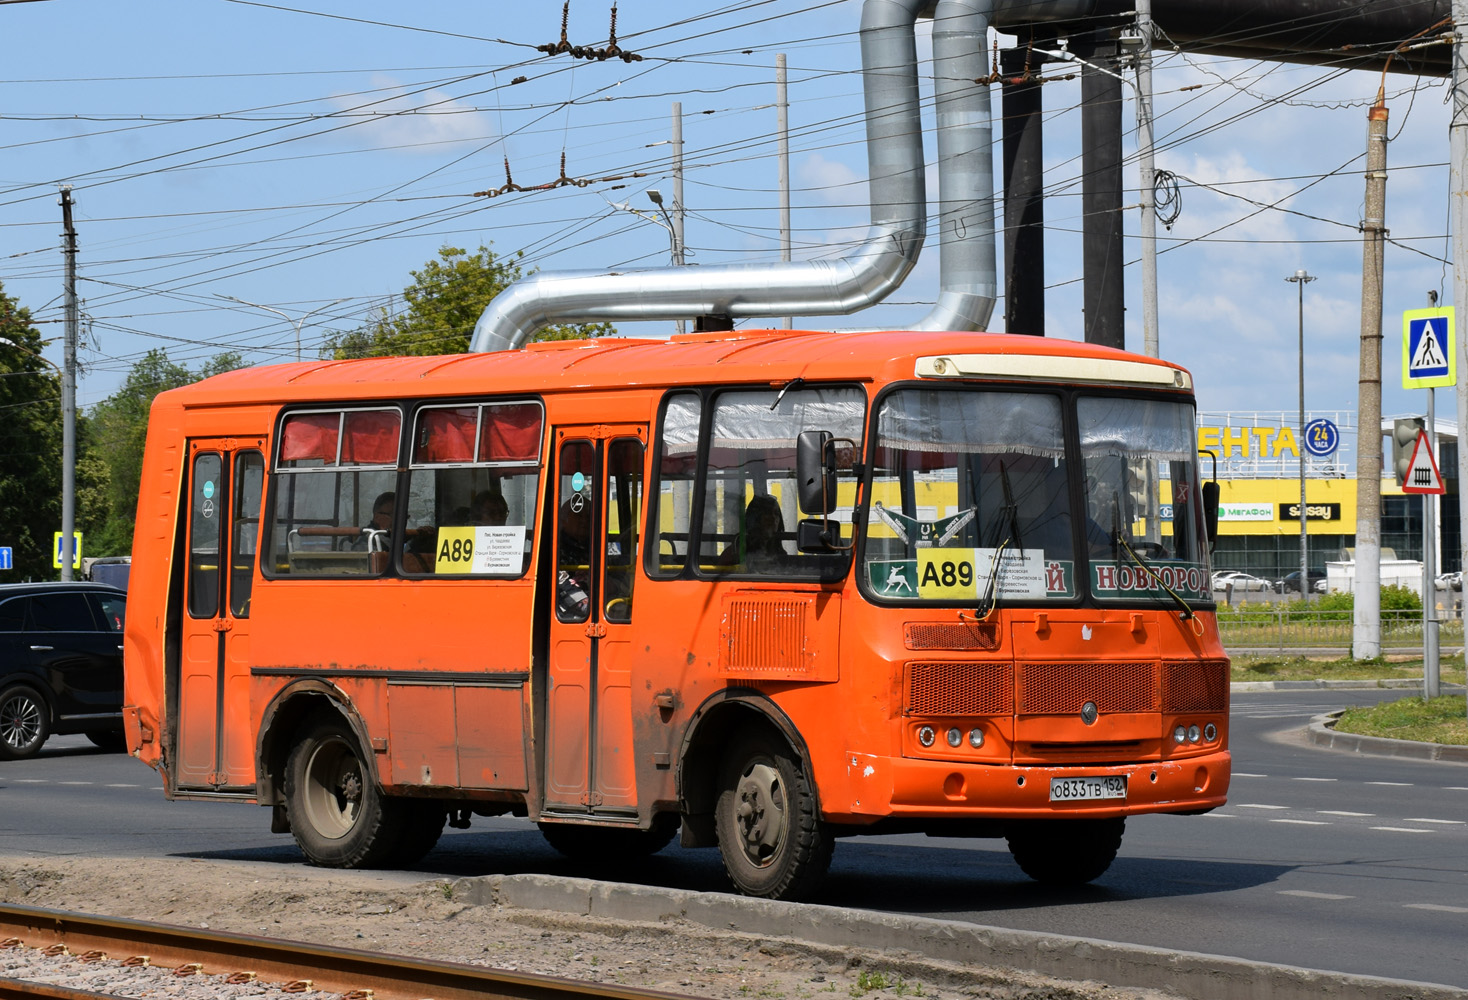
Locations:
(1291, 582)
(60, 664)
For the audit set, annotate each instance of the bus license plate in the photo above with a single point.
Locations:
(1111, 786)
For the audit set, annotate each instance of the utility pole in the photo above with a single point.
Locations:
(68, 395)
(1148, 168)
(1301, 279)
(1366, 625)
(782, 127)
(1458, 219)
(677, 219)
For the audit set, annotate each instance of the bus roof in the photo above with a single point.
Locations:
(733, 356)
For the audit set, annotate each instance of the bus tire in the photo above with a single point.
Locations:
(770, 833)
(1065, 851)
(25, 722)
(611, 844)
(338, 816)
(422, 826)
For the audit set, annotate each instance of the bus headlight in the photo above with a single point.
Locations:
(976, 738)
(954, 737)
(1194, 734)
(1210, 732)
(926, 736)
(1179, 735)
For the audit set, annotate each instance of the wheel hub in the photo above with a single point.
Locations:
(760, 813)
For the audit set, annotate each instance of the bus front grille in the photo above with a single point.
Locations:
(1196, 687)
(951, 635)
(1062, 688)
(957, 689)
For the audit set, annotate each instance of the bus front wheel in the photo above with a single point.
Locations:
(770, 833)
(1065, 851)
(337, 814)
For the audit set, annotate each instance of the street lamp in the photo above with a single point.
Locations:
(297, 323)
(1300, 278)
(675, 245)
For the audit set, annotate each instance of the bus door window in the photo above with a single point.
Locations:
(249, 481)
(206, 503)
(575, 524)
(623, 516)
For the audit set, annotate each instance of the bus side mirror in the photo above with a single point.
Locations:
(815, 472)
(1210, 511)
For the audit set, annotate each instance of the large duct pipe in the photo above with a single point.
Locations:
(968, 270)
(843, 285)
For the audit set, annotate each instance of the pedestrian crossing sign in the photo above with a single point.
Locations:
(1428, 360)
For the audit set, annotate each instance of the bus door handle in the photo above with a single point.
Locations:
(222, 625)
(596, 629)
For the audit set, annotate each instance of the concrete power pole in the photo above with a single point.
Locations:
(1458, 220)
(782, 126)
(1366, 630)
(68, 395)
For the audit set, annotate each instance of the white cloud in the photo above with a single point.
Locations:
(412, 118)
(830, 180)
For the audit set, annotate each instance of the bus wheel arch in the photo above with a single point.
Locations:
(293, 710)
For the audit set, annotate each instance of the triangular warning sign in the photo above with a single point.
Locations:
(1422, 474)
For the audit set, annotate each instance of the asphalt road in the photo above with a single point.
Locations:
(1321, 859)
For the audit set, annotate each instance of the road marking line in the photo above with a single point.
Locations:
(32, 781)
(1301, 822)
(1342, 812)
(1253, 805)
(1392, 784)
(1313, 895)
(1448, 822)
(1246, 774)
(1456, 788)
(124, 786)
(73, 782)
(1400, 829)
(1314, 779)
(1436, 906)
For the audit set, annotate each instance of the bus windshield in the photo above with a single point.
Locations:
(971, 499)
(1144, 516)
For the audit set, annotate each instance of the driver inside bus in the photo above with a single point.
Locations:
(763, 527)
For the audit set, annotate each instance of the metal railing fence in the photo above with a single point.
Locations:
(1282, 628)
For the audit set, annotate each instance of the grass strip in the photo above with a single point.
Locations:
(1438, 720)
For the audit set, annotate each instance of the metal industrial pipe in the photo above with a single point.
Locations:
(843, 285)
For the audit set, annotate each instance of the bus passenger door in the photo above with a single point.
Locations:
(589, 766)
(215, 748)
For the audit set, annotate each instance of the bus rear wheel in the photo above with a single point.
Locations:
(337, 814)
(770, 833)
(1065, 851)
(600, 843)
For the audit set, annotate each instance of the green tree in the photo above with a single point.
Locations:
(119, 430)
(30, 452)
(441, 307)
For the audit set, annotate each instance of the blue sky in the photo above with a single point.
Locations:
(308, 155)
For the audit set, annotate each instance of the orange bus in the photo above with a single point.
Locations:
(760, 589)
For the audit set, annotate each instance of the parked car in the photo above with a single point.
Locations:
(1240, 581)
(60, 664)
(1450, 581)
(1290, 584)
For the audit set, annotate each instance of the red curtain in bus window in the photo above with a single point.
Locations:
(305, 436)
(371, 437)
(511, 433)
(446, 435)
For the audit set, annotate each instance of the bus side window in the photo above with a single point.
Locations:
(671, 516)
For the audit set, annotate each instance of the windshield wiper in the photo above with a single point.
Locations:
(1187, 611)
(1011, 508)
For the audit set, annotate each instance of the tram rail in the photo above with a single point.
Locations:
(296, 966)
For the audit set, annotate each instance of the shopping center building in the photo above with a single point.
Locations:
(1257, 456)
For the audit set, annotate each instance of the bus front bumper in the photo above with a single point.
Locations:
(882, 787)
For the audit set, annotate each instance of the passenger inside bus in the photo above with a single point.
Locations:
(764, 527)
(376, 531)
(573, 560)
(490, 509)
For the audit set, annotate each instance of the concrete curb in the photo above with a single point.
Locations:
(1404, 683)
(1187, 974)
(1321, 732)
